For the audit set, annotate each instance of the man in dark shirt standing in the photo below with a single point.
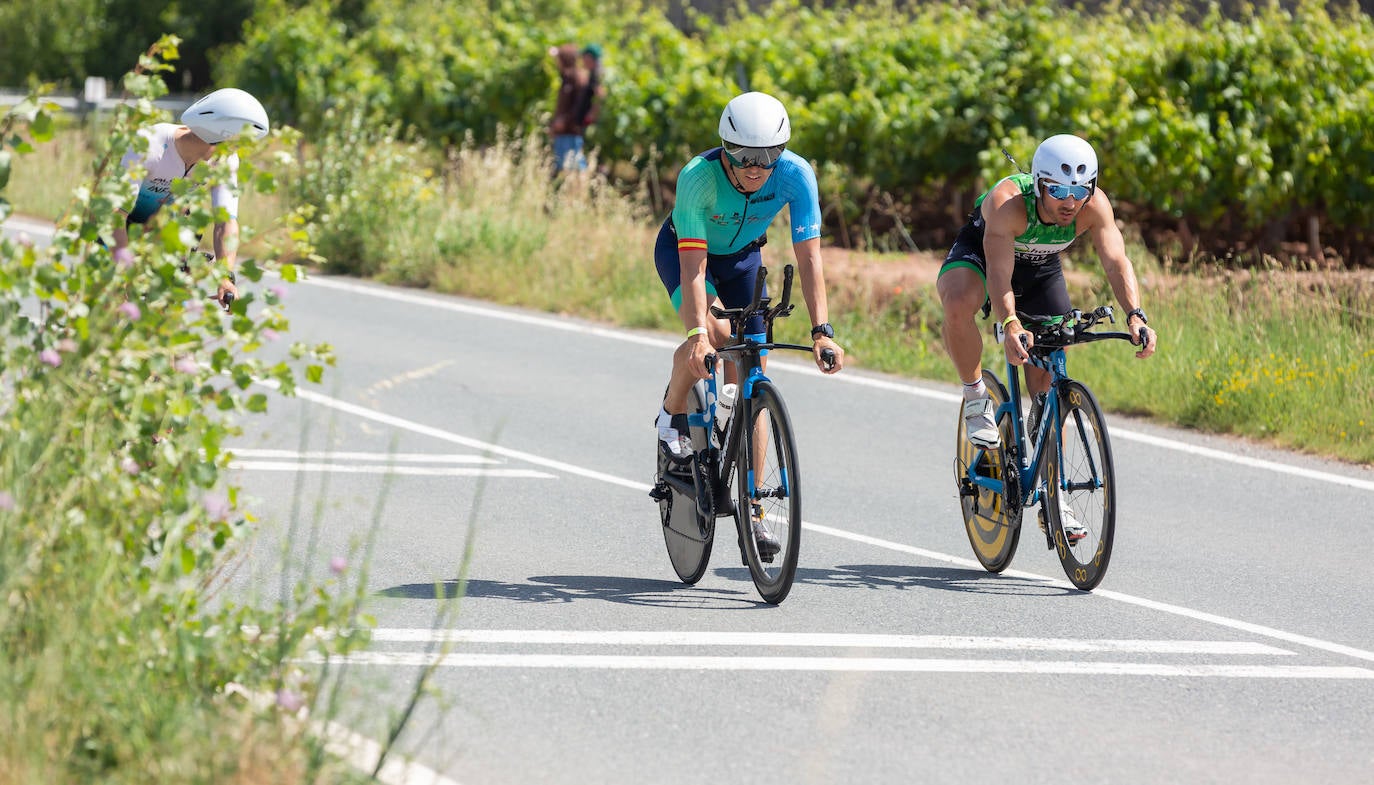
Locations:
(567, 126)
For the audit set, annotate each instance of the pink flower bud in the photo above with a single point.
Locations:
(50, 357)
(130, 310)
(123, 258)
(290, 701)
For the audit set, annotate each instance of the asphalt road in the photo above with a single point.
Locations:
(1231, 641)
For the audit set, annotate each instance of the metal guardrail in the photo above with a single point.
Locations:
(75, 102)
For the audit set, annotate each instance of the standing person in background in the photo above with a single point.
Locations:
(566, 127)
(174, 150)
(590, 107)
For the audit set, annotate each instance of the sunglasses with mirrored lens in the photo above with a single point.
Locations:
(745, 157)
(1057, 191)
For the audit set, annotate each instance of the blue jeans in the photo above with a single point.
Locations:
(567, 152)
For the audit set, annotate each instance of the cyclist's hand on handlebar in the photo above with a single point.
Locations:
(698, 347)
(226, 293)
(1016, 342)
(829, 355)
(1145, 338)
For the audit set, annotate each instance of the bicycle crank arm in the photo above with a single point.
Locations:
(682, 485)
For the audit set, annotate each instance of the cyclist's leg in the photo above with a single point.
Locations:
(962, 286)
(736, 287)
(734, 277)
(670, 273)
(1040, 289)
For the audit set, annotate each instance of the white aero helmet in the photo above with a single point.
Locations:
(224, 114)
(1066, 159)
(754, 129)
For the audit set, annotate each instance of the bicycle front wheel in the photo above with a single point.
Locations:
(686, 532)
(769, 508)
(1080, 484)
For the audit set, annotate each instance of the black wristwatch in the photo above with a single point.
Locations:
(823, 329)
(1137, 312)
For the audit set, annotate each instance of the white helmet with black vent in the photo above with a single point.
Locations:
(224, 114)
(754, 128)
(1065, 159)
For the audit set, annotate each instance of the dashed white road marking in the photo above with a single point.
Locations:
(400, 457)
(409, 471)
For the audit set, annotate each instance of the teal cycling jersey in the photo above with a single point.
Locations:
(712, 215)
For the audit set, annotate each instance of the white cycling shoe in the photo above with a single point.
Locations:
(980, 423)
(1073, 530)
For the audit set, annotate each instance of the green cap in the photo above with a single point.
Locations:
(592, 49)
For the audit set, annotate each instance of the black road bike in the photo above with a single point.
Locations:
(743, 467)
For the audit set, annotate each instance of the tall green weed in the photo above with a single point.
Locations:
(120, 381)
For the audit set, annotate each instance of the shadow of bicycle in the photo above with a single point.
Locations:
(906, 577)
(571, 588)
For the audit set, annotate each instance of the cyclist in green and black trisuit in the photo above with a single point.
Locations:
(1007, 256)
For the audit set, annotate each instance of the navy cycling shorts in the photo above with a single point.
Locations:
(729, 277)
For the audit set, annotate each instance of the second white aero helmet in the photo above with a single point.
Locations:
(1065, 159)
(224, 114)
(755, 120)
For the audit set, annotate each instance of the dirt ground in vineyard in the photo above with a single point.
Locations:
(891, 272)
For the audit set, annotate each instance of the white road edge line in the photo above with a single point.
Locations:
(815, 640)
(362, 753)
(849, 664)
(438, 433)
(907, 389)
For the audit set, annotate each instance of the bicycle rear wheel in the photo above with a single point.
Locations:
(993, 523)
(768, 480)
(687, 533)
(1081, 481)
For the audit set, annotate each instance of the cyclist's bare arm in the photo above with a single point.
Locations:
(694, 308)
(121, 233)
(1111, 250)
(1004, 212)
(808, 253)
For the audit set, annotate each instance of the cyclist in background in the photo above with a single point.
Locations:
(1007, 257)
(174, 150)
(709, 249)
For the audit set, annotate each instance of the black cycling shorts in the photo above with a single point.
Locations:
(1039, 289)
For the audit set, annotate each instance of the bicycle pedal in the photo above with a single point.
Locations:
(660, 492)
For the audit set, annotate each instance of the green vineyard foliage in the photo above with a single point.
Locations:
(1234, 132)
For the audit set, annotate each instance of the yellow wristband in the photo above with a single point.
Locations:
(696, 331)
(1009, 320)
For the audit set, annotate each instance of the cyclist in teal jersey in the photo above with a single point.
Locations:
(708, 250)
(1007, 258)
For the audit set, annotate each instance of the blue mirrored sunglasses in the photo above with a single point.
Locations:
(1057, 191)
(745, 157)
